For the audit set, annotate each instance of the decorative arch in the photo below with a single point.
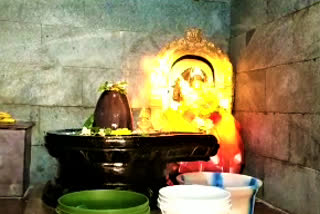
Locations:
(194, 44)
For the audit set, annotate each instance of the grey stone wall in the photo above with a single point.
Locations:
(54, 54)
(275, 47)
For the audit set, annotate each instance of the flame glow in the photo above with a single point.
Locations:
(184, 104)
(192, 95)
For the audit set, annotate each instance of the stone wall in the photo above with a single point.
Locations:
(275, 47)
(55, 53)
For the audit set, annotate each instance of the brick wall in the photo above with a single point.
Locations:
(275, 48)
(55, 53)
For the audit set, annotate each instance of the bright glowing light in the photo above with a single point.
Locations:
(193, 95)
(215, 159)
(238, 158)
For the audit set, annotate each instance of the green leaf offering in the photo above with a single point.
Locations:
(120, 87)
(107, 131)
(89, 122)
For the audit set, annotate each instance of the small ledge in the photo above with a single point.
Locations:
(17, 126)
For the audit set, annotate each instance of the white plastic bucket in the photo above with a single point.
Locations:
(187, 199)
(243, 188)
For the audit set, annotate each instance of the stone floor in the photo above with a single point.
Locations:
(32, 204)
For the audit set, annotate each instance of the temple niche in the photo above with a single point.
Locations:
(192, 90)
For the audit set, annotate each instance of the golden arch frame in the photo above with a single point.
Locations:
(194, 43)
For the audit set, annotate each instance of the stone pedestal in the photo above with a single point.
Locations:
(15, 154)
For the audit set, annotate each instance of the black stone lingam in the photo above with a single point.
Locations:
(113, 111)
(133, 162)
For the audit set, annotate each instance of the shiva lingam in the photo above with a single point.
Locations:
(112, 156)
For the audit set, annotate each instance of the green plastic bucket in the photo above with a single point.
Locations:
(103, 202)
